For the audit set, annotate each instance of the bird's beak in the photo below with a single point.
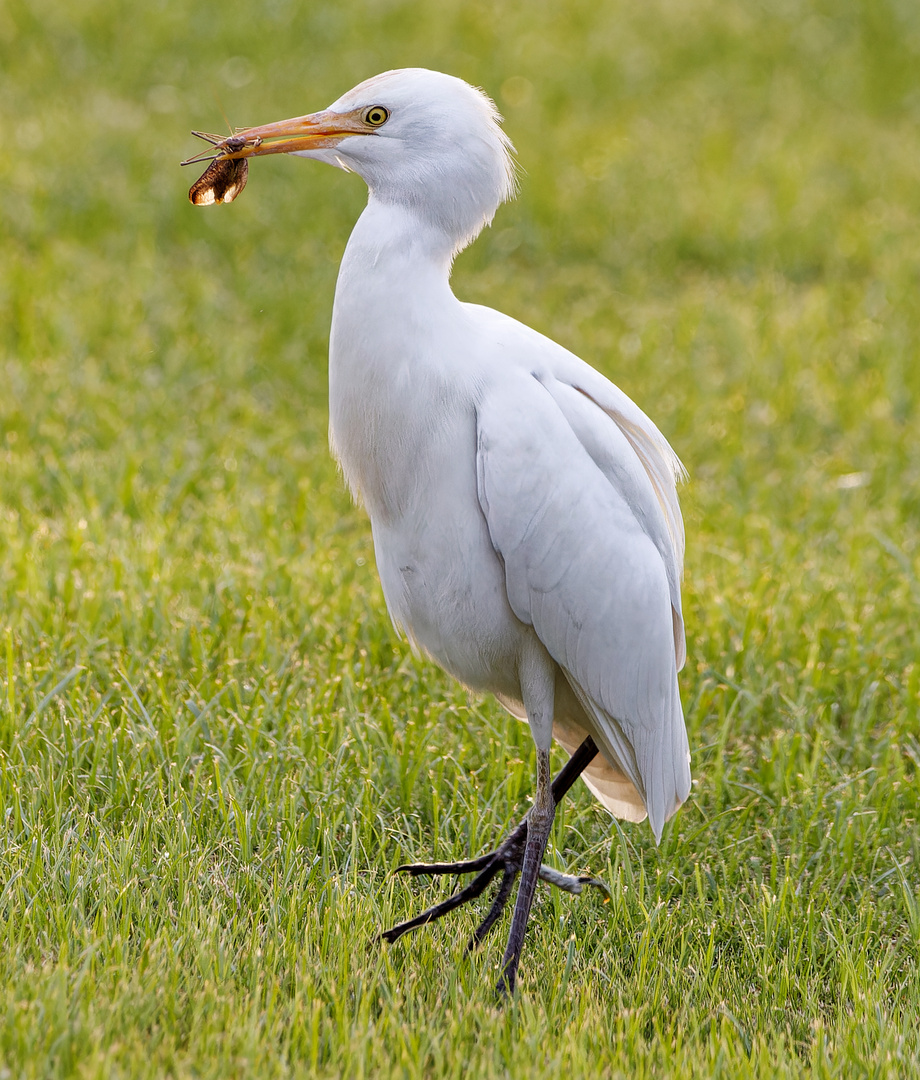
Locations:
(314, 132)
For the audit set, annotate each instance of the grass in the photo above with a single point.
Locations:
(213, 748)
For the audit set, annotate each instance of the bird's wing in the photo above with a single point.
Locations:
(647, 477)
(653, 469)
(567, 517)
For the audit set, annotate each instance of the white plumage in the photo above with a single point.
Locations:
(524, 510)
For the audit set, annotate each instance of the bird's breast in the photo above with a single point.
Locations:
(402, 395)
(396, 436)
(411, 458)
(406, 372)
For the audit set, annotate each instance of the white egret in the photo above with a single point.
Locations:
(524, 510)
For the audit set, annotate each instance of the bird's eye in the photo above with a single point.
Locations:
(376, 115)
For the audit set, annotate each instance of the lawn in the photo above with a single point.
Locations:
(214, 748)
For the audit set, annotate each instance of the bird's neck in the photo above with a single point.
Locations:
(390, 234)
(394, 325)
(393, 283)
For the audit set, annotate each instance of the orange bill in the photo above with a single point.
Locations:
(226, 176)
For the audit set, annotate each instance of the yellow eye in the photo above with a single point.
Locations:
(376, 115)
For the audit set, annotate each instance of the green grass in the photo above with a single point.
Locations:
(214, 749)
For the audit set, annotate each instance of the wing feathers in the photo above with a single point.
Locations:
(663, 466)
(648, 476)
(585, 551)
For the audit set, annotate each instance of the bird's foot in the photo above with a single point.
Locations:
(507, 860)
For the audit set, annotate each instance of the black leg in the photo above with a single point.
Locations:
(539, 823)
(508, 859)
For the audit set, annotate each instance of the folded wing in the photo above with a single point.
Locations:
(577, 494)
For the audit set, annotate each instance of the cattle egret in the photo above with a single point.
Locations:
(524, 510)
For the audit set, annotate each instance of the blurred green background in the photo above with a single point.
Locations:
(214, 747)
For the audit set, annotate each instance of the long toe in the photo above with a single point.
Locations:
(467, 866)
(462, 896)
(570, 883)
(499, 903)
(506, 859)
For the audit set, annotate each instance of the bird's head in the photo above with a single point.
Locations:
(420, 139)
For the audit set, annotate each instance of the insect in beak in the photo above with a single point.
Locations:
(226, 176)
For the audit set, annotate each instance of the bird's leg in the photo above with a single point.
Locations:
(507, 859)
(539, 823)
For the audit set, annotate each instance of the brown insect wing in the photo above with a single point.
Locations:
(221, 182)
